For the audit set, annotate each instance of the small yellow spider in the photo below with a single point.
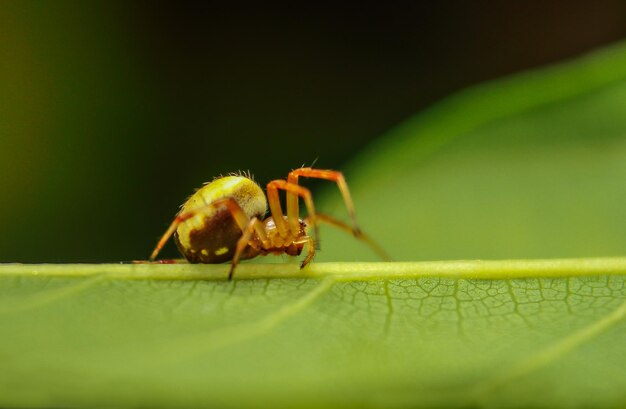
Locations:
(223, 220)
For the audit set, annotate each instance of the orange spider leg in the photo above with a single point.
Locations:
(253, 226)
(361, 236)
(332, 175)
(277, 213)
(240, 218)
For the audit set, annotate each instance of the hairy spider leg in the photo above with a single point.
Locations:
(331, 175)
(233, 207)
(277, 212)
(324, 218)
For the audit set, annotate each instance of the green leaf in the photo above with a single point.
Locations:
(527, 167)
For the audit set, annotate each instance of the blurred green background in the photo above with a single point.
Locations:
(111, 113)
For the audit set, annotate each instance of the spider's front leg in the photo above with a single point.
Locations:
(326, 174)
(311, 252)
(324, 218)
(291, 229)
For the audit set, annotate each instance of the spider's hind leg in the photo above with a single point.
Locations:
(229, 203)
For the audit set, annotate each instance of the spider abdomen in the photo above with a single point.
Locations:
(211, 235)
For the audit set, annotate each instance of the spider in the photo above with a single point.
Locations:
(223, 220)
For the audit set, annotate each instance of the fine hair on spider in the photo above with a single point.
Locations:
(225, 220)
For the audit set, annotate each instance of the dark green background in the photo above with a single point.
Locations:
(112, 113)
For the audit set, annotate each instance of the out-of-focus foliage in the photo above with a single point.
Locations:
(112, 112)
(527, 167)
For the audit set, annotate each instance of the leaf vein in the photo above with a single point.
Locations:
(553, 352)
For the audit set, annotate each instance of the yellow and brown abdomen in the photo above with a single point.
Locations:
(211, 235)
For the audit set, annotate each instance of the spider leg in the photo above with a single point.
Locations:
(310, 253)
(166, 261)
(240, 218)
(332, 175)
(362, 236)
(276, 209)
(253, 226)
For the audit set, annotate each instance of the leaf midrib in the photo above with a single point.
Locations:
(341, 271)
